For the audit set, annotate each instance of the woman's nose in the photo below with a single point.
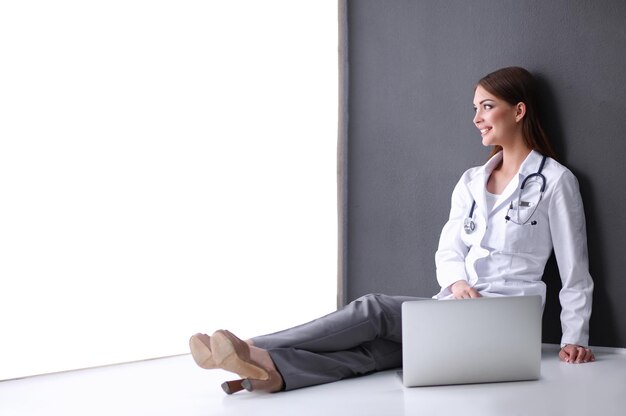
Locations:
(477, 117)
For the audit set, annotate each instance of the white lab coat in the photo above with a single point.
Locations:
(501, 258)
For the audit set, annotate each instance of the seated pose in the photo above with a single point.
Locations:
(506, 218)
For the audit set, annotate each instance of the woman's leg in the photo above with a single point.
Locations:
(362, 337)
(365, 319)
(301, 368)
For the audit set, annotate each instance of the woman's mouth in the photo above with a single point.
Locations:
(484, 131)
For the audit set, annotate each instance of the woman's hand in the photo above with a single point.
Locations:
(575, 354)
(462, 290)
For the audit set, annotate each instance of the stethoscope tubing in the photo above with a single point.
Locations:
(469, 225)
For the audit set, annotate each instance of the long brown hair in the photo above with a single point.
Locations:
(516, 85)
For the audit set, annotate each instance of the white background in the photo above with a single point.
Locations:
(166, 167)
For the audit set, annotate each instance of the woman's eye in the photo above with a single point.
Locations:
(488, 107)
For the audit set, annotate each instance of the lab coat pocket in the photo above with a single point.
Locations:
(520, 238)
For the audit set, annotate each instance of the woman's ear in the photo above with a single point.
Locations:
(520, 111)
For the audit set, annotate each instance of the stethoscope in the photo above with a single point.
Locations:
(469, 225)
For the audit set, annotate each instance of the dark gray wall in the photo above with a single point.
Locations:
(408, 136)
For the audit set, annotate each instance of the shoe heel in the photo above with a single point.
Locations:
(247, 384)
(233, 386)
(273, 384)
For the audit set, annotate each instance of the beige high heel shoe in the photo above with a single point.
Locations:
(200, 346)
(232, 354)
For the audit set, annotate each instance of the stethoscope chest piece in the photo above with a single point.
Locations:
(469, 225)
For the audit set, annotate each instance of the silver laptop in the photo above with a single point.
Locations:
(471, 340)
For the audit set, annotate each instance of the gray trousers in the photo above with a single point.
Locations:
(364, 336)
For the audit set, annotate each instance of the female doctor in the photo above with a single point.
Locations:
(505, 219)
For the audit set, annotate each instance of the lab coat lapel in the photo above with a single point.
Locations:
(530, 165)
(478, 185)
(477, 189)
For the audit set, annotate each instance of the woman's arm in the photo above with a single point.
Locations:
(450, 255)
(569, 238)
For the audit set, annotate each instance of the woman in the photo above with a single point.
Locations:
(506, 218)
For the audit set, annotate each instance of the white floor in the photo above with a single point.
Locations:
(175, 386)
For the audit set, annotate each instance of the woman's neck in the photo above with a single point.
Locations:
(512, 159)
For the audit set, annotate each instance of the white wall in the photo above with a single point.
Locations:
(166, 167)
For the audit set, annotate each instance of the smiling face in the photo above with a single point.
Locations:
(498, 121)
